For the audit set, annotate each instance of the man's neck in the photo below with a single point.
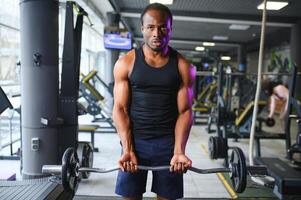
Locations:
(149, 52)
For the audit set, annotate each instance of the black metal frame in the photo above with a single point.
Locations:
(225, 126)
(4, 104)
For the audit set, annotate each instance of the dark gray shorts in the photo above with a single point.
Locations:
(154, 152)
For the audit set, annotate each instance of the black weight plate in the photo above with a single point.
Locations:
(93, 109)
(270, 122)
(87, 159)
(79, 151)
(70, 165)
(215, 147)
(238, 167)
(218, 147)
(222, 147)
(212, 147)
(225, 145)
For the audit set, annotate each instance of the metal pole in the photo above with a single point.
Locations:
(40, 83)
(113, 20)
(260, 63)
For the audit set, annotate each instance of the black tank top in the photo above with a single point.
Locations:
(153, 107)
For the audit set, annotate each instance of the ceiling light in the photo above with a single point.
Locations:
(167, 2)
(273, 5)
(199, 48)
(220, 37)
(239, 27)
(225, 58)
(209, 44)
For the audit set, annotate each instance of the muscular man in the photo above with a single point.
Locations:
(276, 91)
(152, 110)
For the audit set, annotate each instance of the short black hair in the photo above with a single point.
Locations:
(156, 6)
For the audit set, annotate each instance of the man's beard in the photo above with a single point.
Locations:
(156, 49)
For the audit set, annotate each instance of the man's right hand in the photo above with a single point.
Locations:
(128, 162)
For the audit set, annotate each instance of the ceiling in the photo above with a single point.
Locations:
(196, 21)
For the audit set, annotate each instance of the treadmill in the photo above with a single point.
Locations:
(287, 179)
(49, 188)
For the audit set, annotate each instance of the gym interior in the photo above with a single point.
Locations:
(57, 136)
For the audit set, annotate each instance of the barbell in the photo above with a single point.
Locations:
(211, 73)
(70, 170)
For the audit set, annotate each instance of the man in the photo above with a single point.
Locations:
(152, 110)
(276, 91)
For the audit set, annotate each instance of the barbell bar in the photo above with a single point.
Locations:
(70, 170)
(210, 73)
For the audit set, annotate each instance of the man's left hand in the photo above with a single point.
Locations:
(180, 163)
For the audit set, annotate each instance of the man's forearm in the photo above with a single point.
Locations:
(182, 130)
(272, 107)
(122, 122)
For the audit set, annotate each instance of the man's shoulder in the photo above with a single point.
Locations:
(181, 59)
(127, 59)
(129, 55)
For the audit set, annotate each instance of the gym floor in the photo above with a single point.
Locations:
(101, 186)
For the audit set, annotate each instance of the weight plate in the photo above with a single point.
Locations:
(217, 147)
(222, 147)
(270, 122)
(238, 168)
(70, 165)
(87, 159)
(212, 147)
(93, 109)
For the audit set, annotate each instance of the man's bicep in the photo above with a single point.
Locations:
(185, 98)
(185, 93)
(121, 86)
(121, 93)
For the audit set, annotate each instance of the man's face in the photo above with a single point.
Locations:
(156, 29)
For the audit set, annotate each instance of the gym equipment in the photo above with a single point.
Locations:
(296, 147)
(287, 179)
(209, 73)
(85, 155)
(204, 103)
(70, 170)
(4, 101)
(218, 147)
(4, 104)
(270, 122)
(89, 128)
(48, 188)
(293, 105)
(244, 120)
(96, 104)
(239, 127)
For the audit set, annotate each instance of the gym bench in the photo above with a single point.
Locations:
(89, 129)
